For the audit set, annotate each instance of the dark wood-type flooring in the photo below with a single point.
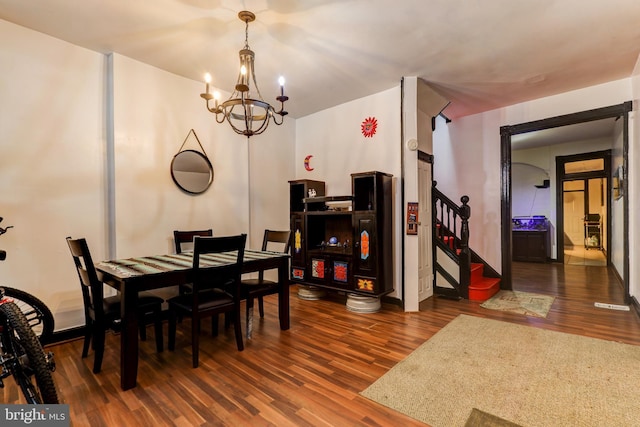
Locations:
(312, 374)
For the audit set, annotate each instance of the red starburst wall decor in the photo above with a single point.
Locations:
(369, 127)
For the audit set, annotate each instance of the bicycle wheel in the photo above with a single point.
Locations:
(37, 313)
(30, 360)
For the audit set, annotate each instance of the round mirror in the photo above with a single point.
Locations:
(192, 171)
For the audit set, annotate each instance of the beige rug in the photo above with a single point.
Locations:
(525, 375)
(526, 303)
(480, 418)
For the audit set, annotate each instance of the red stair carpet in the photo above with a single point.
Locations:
(482, 288)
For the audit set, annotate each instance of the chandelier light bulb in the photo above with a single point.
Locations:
(207, 79)
(243, 70)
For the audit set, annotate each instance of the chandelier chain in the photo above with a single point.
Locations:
(246, 34)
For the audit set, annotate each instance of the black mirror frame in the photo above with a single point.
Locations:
(208, 163)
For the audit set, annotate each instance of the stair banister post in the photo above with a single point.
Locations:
(465, 253)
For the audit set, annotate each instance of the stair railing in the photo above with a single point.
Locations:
(451, 235)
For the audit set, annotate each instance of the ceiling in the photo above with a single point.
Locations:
(480, 55)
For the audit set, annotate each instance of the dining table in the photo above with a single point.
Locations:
(131, 276)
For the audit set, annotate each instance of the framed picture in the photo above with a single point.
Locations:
(412, 218)
(618, 183)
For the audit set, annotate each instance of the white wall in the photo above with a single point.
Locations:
(52, 134)
(333, 137)
(471, 146)
(154, 111)
(467, 162)
(55, 127)
(527, 199)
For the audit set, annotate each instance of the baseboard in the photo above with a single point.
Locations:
(66, 335)
(392, 300)
(636, 306)
(617, 275)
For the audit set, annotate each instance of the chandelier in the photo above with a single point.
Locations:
(246, 111)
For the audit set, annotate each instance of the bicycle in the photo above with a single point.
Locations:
(21, 353)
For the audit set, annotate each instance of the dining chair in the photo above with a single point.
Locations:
(216, 290)
(182, 239)
(103, 313)
(277, 241)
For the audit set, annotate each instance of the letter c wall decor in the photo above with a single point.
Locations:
(307, 163)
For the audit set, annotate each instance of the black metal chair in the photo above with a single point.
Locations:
(216, 290)
(102, 314)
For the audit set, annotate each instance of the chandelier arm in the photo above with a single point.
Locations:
(275, 120)
(215, 111)
(218, 119)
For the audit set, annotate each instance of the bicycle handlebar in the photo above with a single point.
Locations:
(3, 254)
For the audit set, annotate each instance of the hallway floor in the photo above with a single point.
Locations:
(578, 255)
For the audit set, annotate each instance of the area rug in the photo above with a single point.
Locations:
(522, 374)
(526, 303)
(480, 418)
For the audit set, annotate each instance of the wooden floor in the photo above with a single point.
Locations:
(312, 374)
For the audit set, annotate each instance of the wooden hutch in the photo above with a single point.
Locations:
(343, 243)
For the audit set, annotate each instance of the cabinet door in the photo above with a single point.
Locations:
(298, 256)
(319, 269)
(529, 246)
(331, 271)
(366, 248)
(536, 247)
(520, 251)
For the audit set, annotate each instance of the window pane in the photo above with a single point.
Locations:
(577, 185)
(584, 166)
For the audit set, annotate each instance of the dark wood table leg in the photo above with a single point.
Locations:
(283, 295)
(129, 338)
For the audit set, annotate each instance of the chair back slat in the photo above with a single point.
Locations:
(181, 238)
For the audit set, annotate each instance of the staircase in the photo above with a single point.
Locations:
(481, 287)
(459, 271)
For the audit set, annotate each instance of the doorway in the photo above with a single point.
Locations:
(506, 133)
(584, 231)
(425, 241)
(584, 200)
